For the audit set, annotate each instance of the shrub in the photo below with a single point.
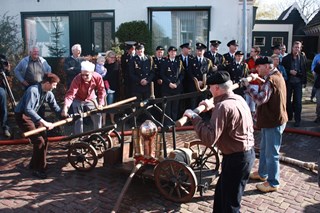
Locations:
(135, 31)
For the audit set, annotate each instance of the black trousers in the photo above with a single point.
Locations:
(234, 176)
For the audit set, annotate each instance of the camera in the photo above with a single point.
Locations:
(3, 62)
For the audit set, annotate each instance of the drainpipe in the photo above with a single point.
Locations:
(245, 29)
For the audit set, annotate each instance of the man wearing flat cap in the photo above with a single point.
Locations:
(237, 70)
(271, 119)
(231, 129)
(229, 56)
(158, 59)
(172, 74)
(82, 95)
(141, 72)
(200, 68)
(216, 58)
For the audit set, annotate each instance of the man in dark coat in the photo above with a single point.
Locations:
(141, 72)
(295, 64)
(229, 56)
(216, 58)
(172, 73)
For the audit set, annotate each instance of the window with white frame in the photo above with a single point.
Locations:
(175, 27)
(276, 40)
(39, 31)
(259, 41)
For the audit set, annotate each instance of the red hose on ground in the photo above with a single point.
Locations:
(128, 133)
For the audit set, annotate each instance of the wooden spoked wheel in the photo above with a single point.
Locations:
(207, 157)
(175, 180)
(100, 144)
(82, 156)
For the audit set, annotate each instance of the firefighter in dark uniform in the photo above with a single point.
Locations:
(125, 58)
(200, 68)
(229, 56)
(216, 58)
(186, 59)
(237, 70)
(141, 72)
(172, 74)
(158, 59)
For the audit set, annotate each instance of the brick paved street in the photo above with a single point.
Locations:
(67, 190)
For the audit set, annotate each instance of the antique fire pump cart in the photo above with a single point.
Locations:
(151, 151)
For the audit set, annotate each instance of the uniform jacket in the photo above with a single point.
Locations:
(238, 71)
(217, 60)
(125, 58)
(172, 72)
(140, 69)
(198, 69)
(228, 60)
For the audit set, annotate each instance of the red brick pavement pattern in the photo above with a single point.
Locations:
(67, 190)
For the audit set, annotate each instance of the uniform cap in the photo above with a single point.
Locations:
(172, 48)
(215, 42)
(185, 45)
(159, 48)
(200, 46)
(129, 44)
(139, 45)
(87, 66)
(239, 53)
(232, 42)
(218, 77)
(264, 60)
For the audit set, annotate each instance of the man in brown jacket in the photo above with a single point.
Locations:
(231, 129)
(271, 118)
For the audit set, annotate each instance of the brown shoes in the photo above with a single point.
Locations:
(256, 176)
(265, 187)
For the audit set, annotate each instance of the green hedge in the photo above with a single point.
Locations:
(135, 31)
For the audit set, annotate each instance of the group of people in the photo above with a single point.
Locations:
(230, 127)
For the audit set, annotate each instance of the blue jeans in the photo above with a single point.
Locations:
(269, 166)
(3, 109)
(294, 106)
(110, 98)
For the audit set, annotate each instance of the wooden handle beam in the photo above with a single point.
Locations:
(201, 108)
(86, 114)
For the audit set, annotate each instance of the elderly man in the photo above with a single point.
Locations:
(72, 64)
(272, 119)
(31, 69)
(82, 95)
(231, 129)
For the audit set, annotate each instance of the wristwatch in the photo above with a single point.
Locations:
(194, 116)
